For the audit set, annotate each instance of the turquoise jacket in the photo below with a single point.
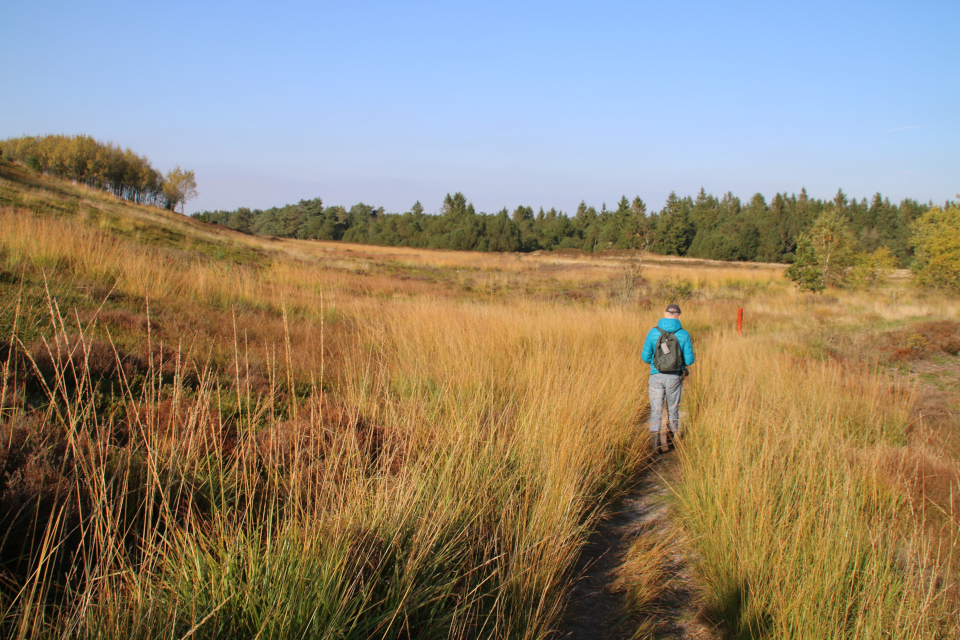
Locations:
(668, 324)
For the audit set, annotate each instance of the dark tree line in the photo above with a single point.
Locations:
(727, 229)
(704, 226)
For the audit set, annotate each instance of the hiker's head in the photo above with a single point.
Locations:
(673, 311)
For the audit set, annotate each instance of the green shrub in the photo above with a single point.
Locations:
(936, 241)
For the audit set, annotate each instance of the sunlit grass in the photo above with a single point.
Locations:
(308, 439)
(799, 532)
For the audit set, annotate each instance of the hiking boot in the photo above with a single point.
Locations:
(655, 442)
(670, 438)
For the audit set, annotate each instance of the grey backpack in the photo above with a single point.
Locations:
(667, 357)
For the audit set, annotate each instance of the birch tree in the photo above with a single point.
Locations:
(178, 187)
(823, 253)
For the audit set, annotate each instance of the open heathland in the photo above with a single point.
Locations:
(207, 434)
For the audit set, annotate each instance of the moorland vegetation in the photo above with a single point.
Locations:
(205, 433)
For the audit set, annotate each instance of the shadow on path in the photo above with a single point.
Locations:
(596, 605)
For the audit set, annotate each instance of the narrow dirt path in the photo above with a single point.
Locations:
(596, 605)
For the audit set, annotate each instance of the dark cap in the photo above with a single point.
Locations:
(672, 308)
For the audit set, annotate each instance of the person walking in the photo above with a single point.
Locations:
(668, 350)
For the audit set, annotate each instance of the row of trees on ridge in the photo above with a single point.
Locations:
(103, 166)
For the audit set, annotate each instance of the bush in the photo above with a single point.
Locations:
(872, 269)
(936, 261)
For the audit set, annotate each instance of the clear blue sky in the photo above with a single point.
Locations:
(535, 103)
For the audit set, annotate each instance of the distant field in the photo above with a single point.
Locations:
(207, 434)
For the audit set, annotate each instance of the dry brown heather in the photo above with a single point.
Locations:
(207, 434)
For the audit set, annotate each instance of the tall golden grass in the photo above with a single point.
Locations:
(378, 442)
(798, 530)
(439, 484)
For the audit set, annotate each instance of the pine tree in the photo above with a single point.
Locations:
(674, 230)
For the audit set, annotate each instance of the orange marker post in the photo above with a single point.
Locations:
(740, 321)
